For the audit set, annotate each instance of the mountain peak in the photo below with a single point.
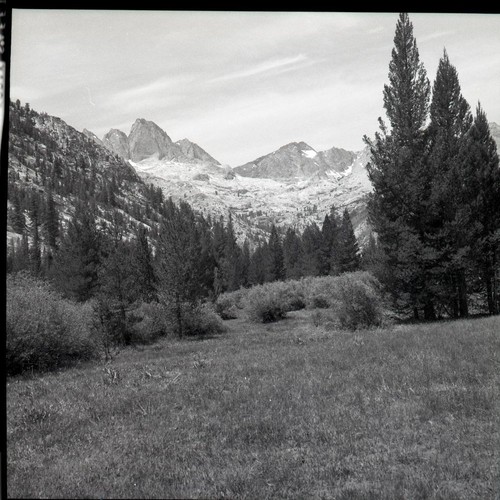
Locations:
(147, 139)
(297, 160)
(142, 122)
(194, 152)
(91, 135)
(116, 141)
(298, 145)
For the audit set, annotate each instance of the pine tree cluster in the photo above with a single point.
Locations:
(436, 201)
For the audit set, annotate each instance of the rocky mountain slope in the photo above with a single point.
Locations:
(48, 156)
(148, 141)
(194, 152)
(298, 160)
(292, 186)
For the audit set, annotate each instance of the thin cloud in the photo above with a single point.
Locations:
(265, 67)
(160, 85)
(434, 36)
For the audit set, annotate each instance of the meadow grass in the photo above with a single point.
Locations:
(293, 409)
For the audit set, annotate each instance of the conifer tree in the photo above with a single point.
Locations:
(373, 259)
(51, 223)
(17, 217)
(245, 263)
(35, 251)
(35, 247)
(18, 254)
(330, 244)
(275, 248)
(258, 271)
(397, 170)
(178, 261)
(230, 260)
(406, 98)
(311, 245)
(218, 251)
(78, 257)
(348, 248)
(142, 257)
(207, 260)
(479, 213)
(293, 255)
(450, 120)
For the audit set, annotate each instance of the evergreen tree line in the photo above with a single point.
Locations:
(73, 166)
(329, 250)
(188, 258)
(121, 250)
(435, 206)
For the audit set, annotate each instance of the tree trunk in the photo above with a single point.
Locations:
(415, 313)
(429, 311)
(462, 294)
(454, 296)
(490, 293)
(178, 314)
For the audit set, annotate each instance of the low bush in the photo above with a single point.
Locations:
(202, 320)
(320, 292)
(354, 299)
(266, 303)
(43, 330)
(147, 322)
(360, 301)
(228, 304)
(292, 294)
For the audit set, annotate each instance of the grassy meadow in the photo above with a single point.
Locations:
(293, 409)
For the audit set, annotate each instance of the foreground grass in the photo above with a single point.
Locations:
(289, 410)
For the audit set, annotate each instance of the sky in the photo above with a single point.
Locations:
(239, 84)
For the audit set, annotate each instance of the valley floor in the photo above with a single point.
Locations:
(287, 410)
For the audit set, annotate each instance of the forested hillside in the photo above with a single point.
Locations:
(80, 219)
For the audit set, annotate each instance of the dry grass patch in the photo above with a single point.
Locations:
(284, 410)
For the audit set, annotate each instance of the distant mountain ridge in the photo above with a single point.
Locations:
(194, 152)
(297, 160)
(290, 187)
(148, 140)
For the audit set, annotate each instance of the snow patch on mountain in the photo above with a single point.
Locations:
(309, 153)
(256, 202)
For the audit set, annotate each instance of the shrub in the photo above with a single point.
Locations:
(291, 293)
(202, 320)
(228, 304)
(360, 302)
(44, 331)
(320, 292)
(147, 322)
(266, 303)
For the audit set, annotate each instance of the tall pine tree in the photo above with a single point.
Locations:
(311, 244)
(293, 255)
(479, 212)
(348, 249)
(330, 245)
(178, 262)
(277, 267)
(77, 260)
(450, 121)
(397, 170)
